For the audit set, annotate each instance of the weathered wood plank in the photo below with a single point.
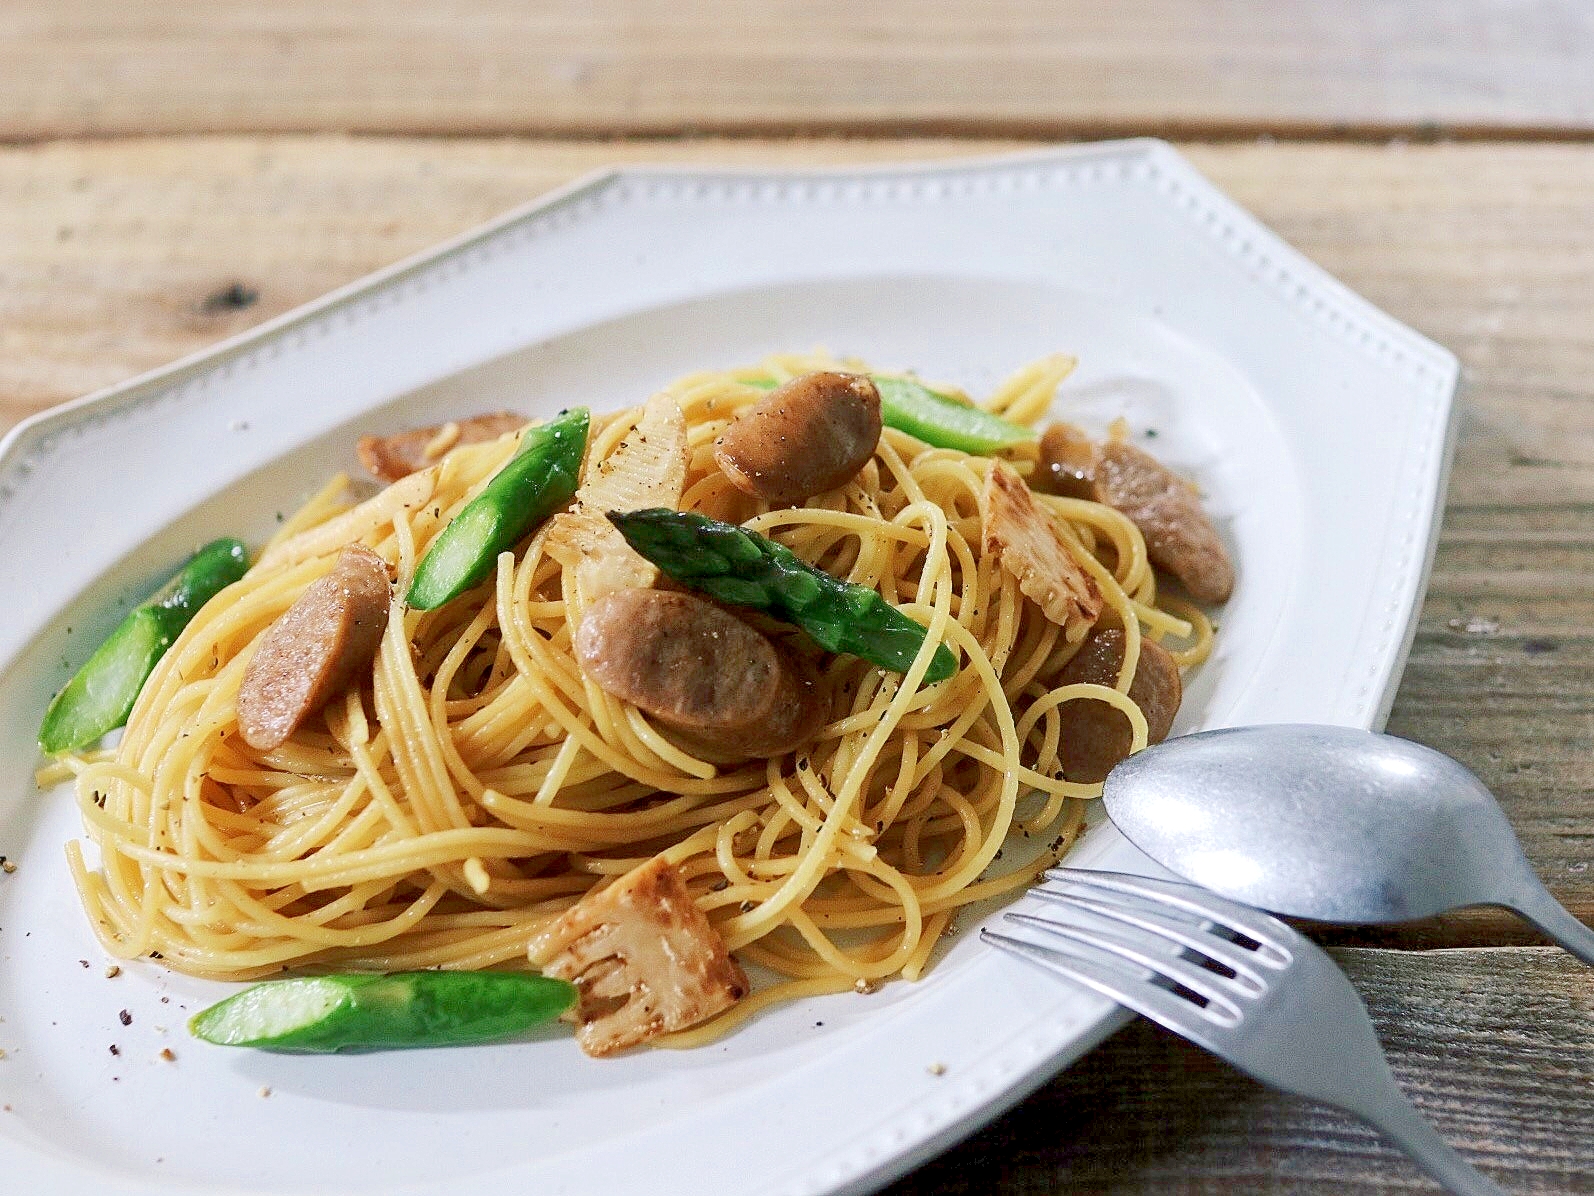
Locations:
(1495, 1046)
(1000, 67)
(115, 257)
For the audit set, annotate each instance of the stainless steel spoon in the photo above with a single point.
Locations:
(1330, 823)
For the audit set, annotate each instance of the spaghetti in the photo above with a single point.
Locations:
(479, 784)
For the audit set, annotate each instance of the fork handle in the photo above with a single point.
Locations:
(1391, 1112)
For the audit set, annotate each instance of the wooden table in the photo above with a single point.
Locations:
(169, 176)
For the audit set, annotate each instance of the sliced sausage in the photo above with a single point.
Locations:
(1179, 536)
(389, 458)
(1094, 735)
(722, 687)
(315, 648)
(1068, 461)
(810, 435)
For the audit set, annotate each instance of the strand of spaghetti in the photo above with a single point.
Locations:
(268, 926)
(1132, 567)
(749, 1007)
(935, 926)
(1008, 791)
(325, 504)
(599, 831)
(725, 846)
(1197, 627)
(1027, 394)
(896, 790)
(425, 850)
(366, 757)
(353, 525)
(1161, 621)
(469, 952)
(401, 707)
(437, 700)
(645, 734)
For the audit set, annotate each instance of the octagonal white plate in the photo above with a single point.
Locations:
(1318, 426)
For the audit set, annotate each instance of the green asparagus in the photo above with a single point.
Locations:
(368, 1011)
(536, 482)
(101, 696)
(742, 568)
(912, 407)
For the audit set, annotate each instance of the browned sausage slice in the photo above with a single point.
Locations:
(807, 436)
(1068, 461)
(314, 649)
(724, 688)
(1094, 735)
(1179, 536)
(389, 458)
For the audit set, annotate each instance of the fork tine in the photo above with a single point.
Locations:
(1165, 1008)
(1209, 984)
(1254, 924)
(1237, 959)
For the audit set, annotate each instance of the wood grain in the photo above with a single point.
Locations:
(1046, 68)
(1494, 1046)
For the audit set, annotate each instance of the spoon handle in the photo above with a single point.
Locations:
(1535, 903)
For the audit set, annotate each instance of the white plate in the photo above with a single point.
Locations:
(1318, 426)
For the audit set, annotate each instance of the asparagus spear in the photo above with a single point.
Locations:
(369, 1011)
(536, 482)
(742, 568)
(912, 407)
(101, 696)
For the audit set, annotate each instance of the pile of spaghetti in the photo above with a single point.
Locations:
(478, 783)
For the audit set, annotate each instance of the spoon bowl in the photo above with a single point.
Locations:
(1335, 824)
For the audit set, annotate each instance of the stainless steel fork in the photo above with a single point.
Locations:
(1238, 982)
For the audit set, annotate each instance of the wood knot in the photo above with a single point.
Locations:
(233, 297)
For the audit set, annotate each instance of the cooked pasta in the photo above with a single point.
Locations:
(478, 783)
